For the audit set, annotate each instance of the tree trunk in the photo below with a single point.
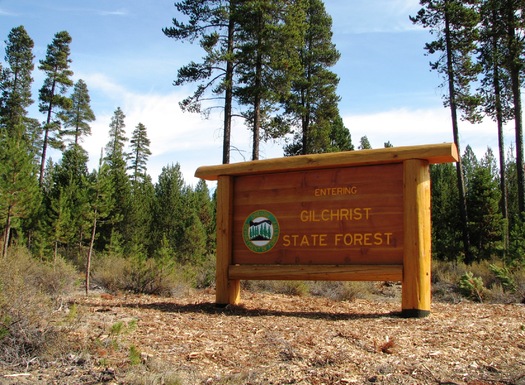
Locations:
(228, 96)
(7, 234)
(43, 158)
(455, 130)
(514, 64)
(90, 253)
(257, 109)
(516, 97)
(46, 136)
(501, 153)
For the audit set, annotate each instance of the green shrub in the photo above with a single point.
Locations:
(109, 271)
(504, 276)
(134, 355)
(472, 287)
(159, 276)
(200, 275)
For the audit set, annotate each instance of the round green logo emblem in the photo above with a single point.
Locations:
(260, 231)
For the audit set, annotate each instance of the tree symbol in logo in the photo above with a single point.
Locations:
(260, 231)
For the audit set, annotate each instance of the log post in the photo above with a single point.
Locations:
(416, 294)
(226, 291)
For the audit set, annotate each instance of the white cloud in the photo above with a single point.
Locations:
(118, 12)
(406, 127)
(188, 139)
(175, 136)
(4, 12)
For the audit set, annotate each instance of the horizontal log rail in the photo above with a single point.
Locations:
(317, 272)
(436, 153)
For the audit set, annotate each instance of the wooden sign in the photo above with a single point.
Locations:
(359, 215)
(336, 216)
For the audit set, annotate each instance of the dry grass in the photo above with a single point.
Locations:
(31, 296)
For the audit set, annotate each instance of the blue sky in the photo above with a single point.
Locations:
(387, 91)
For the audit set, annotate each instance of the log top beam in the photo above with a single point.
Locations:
(433, 153)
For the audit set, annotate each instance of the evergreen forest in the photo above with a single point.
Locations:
(272, 61)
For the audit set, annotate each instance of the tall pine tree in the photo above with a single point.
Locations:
(263, 69)
(139, 154)
(16, 80)
(78, 117)
(114, 230)
(18, 183)
(454, 22)
(212, 23)
(142, 192)
(312, 102)
(52, 99)
(495, 87)
(18, 188)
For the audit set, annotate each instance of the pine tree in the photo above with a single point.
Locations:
(263, 69)
(512, 186)
(483, 198)
(204, 209)
(469, 163)
(69, 201)
(52, 99)
(454, 22)
(169, 207)
(340, 138)
(139, 222)
(78, 117)
(16, 80)
(193, 249)
(446, 225)
(142, 193)
(364, 143)
(212, 23)
(101, 202)
(138, 157)
(18, 187)
(312, 102)
(115, 229)
(20, 199)
(514, 24)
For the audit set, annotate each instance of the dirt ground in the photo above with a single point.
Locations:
(279, 339)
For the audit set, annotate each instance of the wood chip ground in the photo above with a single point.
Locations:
(279, 339)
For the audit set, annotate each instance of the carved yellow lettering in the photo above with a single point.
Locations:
(304, 241)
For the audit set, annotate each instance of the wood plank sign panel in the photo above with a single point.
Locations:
(356, 215)
(337, 216)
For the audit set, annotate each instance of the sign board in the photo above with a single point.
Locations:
(359, 215)
(336, 216)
